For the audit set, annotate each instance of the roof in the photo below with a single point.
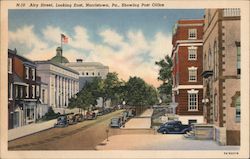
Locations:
(86, 64)
(16, 78)
(60, 59)
(57, 64)
(24, 59)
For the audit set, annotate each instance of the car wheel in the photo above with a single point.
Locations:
(164, 132)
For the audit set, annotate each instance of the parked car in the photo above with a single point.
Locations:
(61, 122)
(91, 115)
(79, 117)
(71, 119)
(131, 113)
(125, 115)
(116, 122)
(174, 127)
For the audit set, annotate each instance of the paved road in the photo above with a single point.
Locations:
(82, 136)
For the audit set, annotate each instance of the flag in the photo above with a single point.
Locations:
(64, 39)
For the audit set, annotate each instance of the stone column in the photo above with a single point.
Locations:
(66, 92)
(57, 91)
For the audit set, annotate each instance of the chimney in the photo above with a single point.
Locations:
(79, 60)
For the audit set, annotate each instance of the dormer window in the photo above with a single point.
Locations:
(27, 72)
(33, 74)
(9, 65)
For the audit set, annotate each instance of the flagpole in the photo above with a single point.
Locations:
(61, 48)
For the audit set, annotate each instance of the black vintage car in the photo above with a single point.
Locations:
(174, 127)
(62, 121)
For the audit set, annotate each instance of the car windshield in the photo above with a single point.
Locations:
(114, 119)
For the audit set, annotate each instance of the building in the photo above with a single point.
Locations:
(187, 59)
(87, 72)
(221, 56)
(42, 95)
(62, 83)
(22, 90)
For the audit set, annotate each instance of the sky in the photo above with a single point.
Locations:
(129, 41)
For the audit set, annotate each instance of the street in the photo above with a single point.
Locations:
(82, 136)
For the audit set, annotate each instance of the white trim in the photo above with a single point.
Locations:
(187, 87)
(190, 41)
(11, 91)
(196, 24)
(193, 91)
(192, 68)
(20, 83)
(10, 65)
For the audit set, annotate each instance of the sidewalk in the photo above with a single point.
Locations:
(159, 142)
(141, 122)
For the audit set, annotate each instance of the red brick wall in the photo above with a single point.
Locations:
(184, 63)
(18, 67)
(182, 108)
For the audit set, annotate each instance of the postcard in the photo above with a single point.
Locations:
(124, 79)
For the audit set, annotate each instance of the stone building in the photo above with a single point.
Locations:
(63, 83)
(187, 59)
(221, 72)
(87, 72)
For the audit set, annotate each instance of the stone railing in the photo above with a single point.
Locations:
(231, 12)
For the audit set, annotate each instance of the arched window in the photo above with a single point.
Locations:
(237, 109)
(216, 69)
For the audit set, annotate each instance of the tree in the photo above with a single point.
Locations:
(165, 75)
(108, 88)
(139, 93)
(84, 99)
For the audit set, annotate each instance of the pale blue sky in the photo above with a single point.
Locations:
(139, 32)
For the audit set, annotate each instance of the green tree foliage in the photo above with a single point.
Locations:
(139, 93)
(165, 75)
(85, 98)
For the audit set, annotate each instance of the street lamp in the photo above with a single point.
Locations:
(107, 131)
(123, 103)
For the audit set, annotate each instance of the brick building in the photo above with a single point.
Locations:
(221, 96)
(187, 68)
(22, 86)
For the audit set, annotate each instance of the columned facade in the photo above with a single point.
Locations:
(62, 83)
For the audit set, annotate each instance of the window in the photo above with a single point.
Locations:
(27, 72)
(192, 76)
(93, 73)
(215, 102)
(216, 67)
(33, 74)
(238, 57)
(98, 73)
(193, 100)
(33, 91)
(192, 33)
(10, 91)
(237, 109)
(192, 51)
(83, 73)
(16, 93)
(43, 95)
(87, 73)
(9, 65)
(37, 90)
(21, 92)
(27, 91)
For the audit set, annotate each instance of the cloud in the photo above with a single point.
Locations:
(123, 53)
(112, 38)
(53, 34)
(80, 39)
(26, 36)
